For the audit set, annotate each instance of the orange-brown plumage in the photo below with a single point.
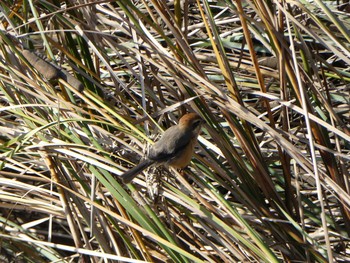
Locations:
(175, 147)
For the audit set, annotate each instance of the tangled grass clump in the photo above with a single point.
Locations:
(86, 87)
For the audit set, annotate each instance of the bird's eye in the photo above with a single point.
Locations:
(196, 123)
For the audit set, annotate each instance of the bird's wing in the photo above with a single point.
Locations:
(172, 142)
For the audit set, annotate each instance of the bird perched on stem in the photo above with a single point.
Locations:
(175, 147)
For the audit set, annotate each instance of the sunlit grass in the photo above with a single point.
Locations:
(269, 179)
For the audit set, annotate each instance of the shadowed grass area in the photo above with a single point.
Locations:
(85, 88)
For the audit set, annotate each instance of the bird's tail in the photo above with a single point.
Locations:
(131, 174)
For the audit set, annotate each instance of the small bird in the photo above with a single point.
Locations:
(175, 147)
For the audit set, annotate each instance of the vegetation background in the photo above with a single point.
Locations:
(270, 178)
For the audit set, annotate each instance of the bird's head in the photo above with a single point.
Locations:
(191, 122)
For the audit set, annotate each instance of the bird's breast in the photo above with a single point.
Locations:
(183, 158)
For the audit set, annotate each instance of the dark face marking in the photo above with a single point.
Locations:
(196, 123)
